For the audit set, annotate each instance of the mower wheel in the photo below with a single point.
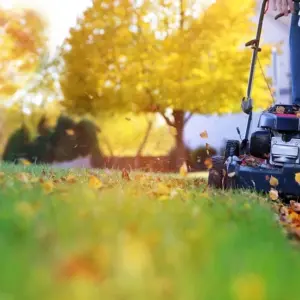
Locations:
(216, 173)
(232, 148)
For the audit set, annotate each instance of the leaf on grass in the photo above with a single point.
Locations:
(71, 178)
(273, 181)
(95, 182)
(125, 174)
(183, 169)
(273, 194)
(48, 186)
(23, 177)
(204, 134)
(295, 206)
(297, 178)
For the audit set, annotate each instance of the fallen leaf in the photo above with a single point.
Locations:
(295, 206)
(23, 177)
(71, 179)
(273, 181)
(48, 186)
(183, 169)
(125, 174)
(162, 189)
(297, 178)
(95, 182)
(204, 134)
(273, 194)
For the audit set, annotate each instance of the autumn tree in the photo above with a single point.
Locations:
(144, 56)
(23, 42)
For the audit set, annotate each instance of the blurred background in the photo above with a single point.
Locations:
(132, 83)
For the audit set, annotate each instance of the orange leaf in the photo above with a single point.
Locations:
(204, 134)
(125, 174)
(208, 163)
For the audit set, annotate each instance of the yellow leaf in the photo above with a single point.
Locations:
(273, 181)
(273, 194)
(204, 134)
(48, 186)
(297, 178)
(95, 182)
(183, 169)
(162, 189)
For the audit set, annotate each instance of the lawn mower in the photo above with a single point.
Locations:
(272, 151)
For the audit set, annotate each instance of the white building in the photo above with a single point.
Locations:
(224, 127)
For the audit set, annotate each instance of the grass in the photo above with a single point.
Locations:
(67, 235)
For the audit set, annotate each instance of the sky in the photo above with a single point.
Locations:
(60, 15)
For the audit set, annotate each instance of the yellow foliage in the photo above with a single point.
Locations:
(192, 64)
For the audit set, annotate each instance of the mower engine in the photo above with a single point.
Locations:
(279, 137)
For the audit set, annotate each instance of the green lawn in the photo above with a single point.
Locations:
(153, 237)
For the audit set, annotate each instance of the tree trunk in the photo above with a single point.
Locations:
(181, 154)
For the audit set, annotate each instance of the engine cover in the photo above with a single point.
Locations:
(284, 152)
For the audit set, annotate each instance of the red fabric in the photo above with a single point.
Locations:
(287, 115)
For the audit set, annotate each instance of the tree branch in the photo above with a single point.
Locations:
(168, 121)
(188, 118)
(145, 139)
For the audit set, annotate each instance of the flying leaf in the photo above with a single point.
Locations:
(208, 163)
(204, 135)
(70, 132)
(273, 194)
(297, 178)
(273, 181)
(183, 169)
